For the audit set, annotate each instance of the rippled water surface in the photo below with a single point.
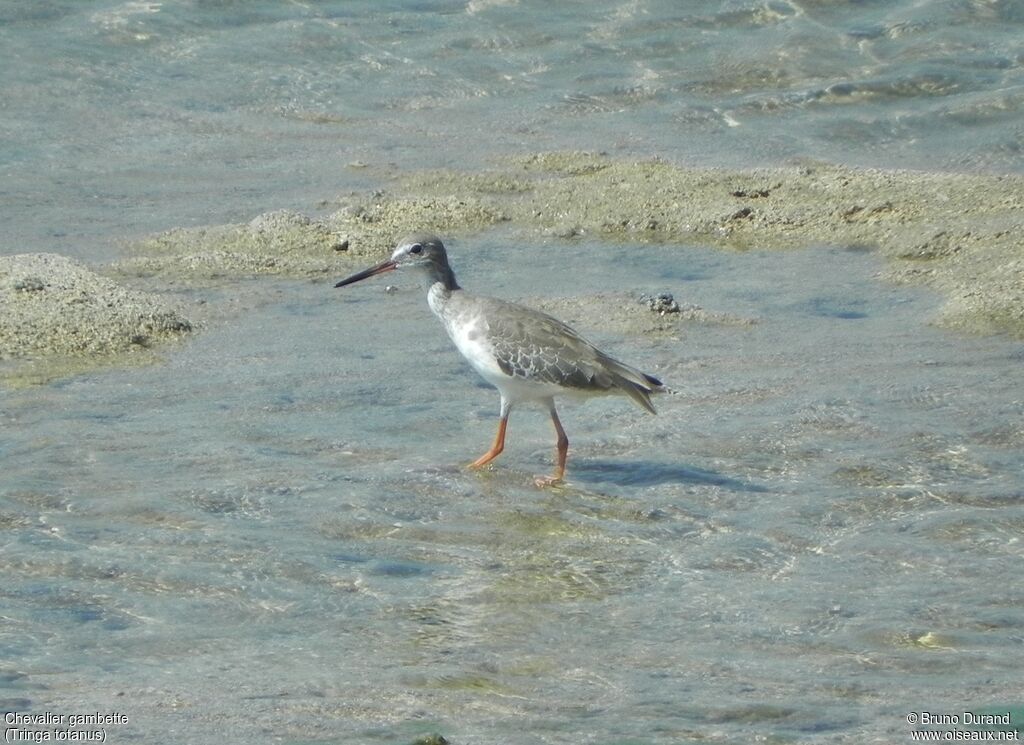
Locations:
(271, 537)
(127, 117)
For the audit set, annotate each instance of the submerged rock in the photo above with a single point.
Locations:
(661, 303)
(431, 739)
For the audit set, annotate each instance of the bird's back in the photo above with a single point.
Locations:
(513, 346)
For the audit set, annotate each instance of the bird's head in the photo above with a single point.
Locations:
(419, 251)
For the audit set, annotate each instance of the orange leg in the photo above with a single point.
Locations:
(562, 448)
(496, 448)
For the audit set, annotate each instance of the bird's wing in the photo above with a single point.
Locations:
(534, 346)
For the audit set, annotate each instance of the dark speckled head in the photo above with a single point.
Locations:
(421, 251)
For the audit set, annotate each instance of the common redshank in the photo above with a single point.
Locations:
(527, 355)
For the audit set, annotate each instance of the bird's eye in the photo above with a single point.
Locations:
(416, 249)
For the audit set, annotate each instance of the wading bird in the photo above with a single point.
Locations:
(525, 354)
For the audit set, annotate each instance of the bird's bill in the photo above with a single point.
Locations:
(384, 266)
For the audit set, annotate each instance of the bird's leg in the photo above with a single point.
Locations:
(497, 447)
(562, 448)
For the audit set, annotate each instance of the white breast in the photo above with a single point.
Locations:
(469, 334)
(467, 328)
(466, 324)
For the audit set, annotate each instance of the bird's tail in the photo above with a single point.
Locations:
(635, 384)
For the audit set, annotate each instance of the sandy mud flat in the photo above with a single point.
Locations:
(957, 233)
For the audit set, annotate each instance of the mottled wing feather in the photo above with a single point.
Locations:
(534, 346)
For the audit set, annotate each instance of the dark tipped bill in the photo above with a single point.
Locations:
(384, 266)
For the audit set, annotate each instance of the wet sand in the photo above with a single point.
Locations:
(957, 233)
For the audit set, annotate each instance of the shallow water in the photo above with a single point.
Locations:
(271, 537)
(122, 118)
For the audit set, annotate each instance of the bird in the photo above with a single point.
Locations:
(527, 355)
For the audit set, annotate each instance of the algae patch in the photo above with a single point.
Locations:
(58, 318)
(958, 233)
(280, 242)
(292, 244)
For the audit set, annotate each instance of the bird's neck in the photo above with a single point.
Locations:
(438, 296)
(440, 281)
(444, 276)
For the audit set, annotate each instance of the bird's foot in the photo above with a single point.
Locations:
(482, 461)
(486, 458)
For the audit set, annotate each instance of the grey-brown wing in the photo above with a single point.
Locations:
(534, 346)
